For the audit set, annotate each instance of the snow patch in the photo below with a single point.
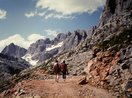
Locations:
(28, 58)
(54, 46)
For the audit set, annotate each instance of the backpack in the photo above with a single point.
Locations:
(56, 68)
(63, 67)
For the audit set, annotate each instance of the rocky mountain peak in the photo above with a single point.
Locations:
(12, 44)
(114, 8)
(14, 50)
(44, 49)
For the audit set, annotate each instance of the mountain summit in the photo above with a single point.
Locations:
(14, 50)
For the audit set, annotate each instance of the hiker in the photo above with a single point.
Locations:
(56, 69)
(64, 70)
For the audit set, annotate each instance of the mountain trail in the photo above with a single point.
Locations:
(48, 88)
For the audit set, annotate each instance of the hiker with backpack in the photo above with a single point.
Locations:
(64, 70)
(56, 70)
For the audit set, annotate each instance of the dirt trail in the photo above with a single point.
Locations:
(48, 88)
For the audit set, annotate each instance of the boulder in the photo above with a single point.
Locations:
(83, 81)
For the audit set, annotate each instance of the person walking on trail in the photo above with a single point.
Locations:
(56, 69)
(64, 70)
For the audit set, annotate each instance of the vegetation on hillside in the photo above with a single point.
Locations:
(117, 42)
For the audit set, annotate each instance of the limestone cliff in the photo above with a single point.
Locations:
(111, 65)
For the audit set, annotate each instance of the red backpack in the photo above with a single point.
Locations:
(63, 67)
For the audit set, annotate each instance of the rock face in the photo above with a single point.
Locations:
(45, 48)
(111, 65)
(114, 8)
(14, 50)
(73, 40)
(12, 65)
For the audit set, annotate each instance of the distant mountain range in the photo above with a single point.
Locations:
(45, 49)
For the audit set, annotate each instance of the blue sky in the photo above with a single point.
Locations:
(29, 20)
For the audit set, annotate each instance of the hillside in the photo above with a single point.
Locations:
(10, 66)
(111, 65)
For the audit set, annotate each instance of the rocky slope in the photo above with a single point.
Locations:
(75, 56)
(14, 50)
(111, 65)
(8, 67)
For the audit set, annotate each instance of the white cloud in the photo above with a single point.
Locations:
(20, 41)
(48, 15)
(65, 9)
(69, 7)
(34, 13)
(52, 33)
(58, 16)
(29, 14)
(2, 14)
(41, 14)
(35, 37)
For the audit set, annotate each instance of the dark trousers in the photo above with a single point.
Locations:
(64, 74)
